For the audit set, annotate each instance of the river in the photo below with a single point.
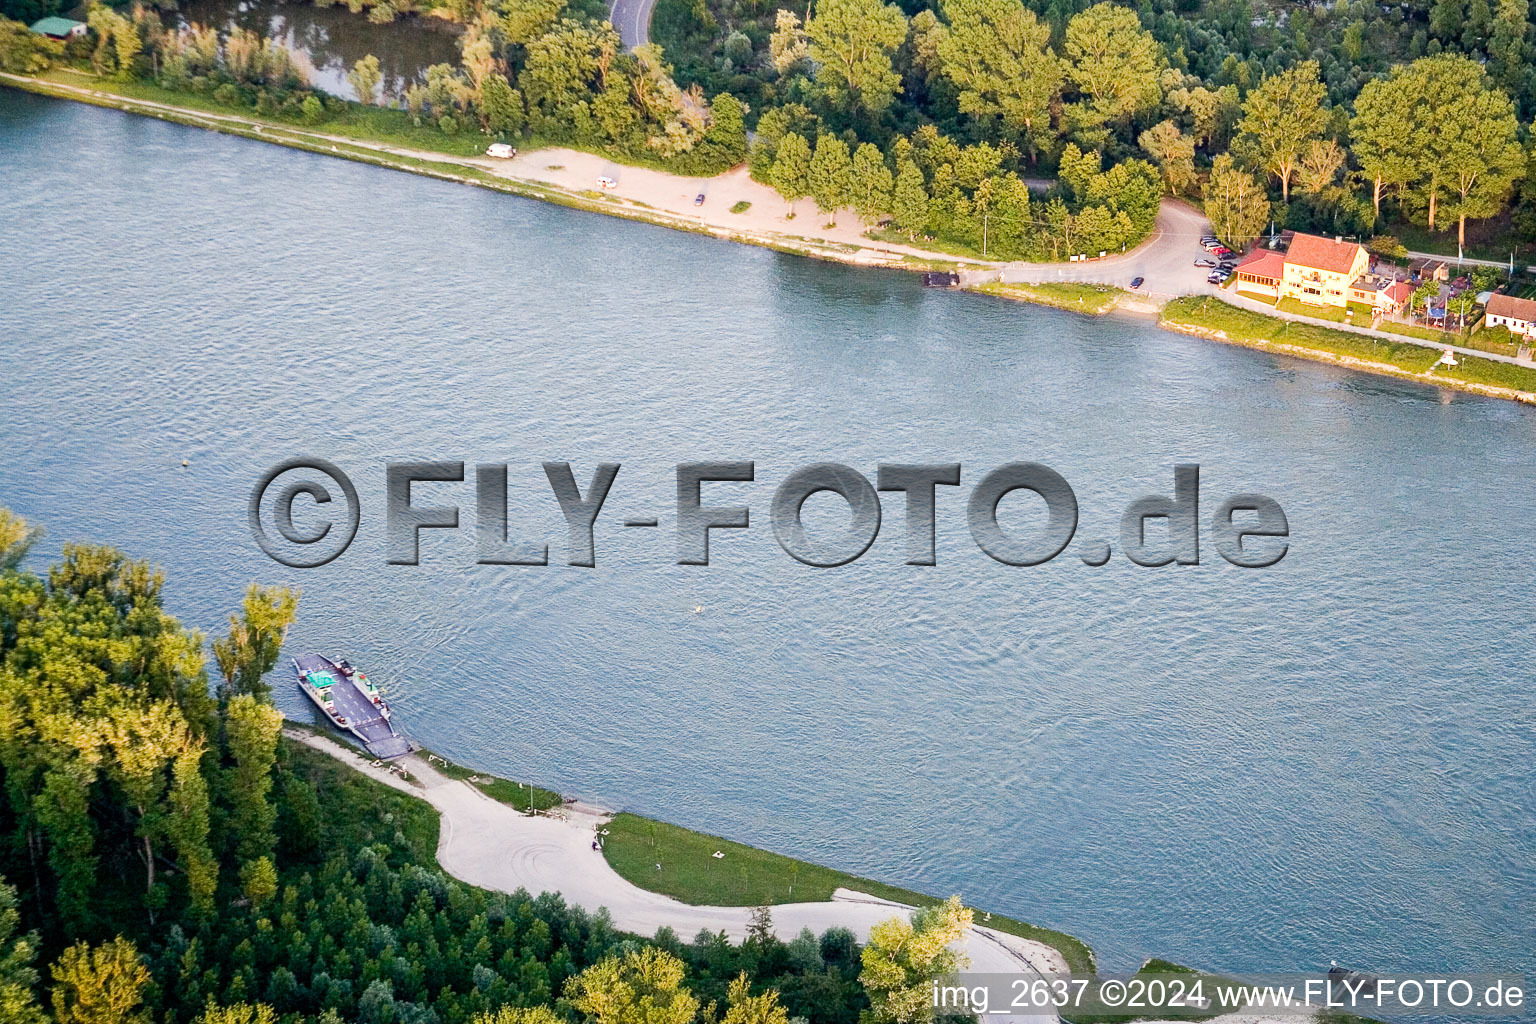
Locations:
(1239, 769)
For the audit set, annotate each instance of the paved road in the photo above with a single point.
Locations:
(1166, 259)
(632, 18)
(1453, 261)
(488, 844)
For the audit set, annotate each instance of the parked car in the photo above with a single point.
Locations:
(500, 150)
(1205, 263)
(698, 200)
(1137, 282)
(1227, 265)
(1214, 277)
(1211, 244)
(606, 182)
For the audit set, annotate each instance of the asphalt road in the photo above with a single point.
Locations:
(1166, 259)
(632, 19)
(490, 845)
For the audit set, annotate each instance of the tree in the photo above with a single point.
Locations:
(904, 958)
(103, 985)
(18, 978)
(144, 742)
(792, 169)
(1483, 159)
(258, 881)
(830, 177)
(1321, 162)
(749, 1009)
(851, 42)
(365, 78)
(523, 21)
(1235, 203)
(16, 538)
(1463, 145)
(514, 1015)
(726, 138)
(1114, 62)
(255, 640)
(1282, 115)
(501, 108)
(1507, 47)
(1381, 133)
(251, 729)
(642, 987)
(909, 202)
(787, 47)
(240, 1013)
(999, 55)
(871, 190)
(1174, 152)
(24, 52)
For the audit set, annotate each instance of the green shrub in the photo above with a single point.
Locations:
(742, 207)
(312, 109)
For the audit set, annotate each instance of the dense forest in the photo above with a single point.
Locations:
(167, 857)
(934, 120)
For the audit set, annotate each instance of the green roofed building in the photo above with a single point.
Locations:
(59, 28)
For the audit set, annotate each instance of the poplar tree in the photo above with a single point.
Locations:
(999, 55)
(851, 43)
(251, 730)
(909, 201)
(792, 169)
(1381, 133)
(255, 640)
(1115, 63)
(1235, 203)
(364, 78)
(18, 978)
(830, 178)
(871, 184)
(1282, 115)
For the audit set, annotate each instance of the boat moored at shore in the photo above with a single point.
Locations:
(351, 702)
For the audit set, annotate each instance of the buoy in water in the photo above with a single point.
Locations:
(184, 463)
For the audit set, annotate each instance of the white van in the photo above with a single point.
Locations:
(500, 150)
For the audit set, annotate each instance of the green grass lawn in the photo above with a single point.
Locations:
(1419, 331)
(1298, 308)
(1093, 299)
(747, 877)
(1245, 326)
(517, 795)
(1493, 341)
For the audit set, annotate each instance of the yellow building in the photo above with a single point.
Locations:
(1319, 271)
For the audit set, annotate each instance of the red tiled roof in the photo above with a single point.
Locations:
(1508, 305)
(1400, 292)
(1317, 253)
(1264, 264)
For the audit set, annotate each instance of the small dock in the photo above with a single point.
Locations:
(363, 718)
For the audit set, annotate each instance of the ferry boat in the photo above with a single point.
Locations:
(351, 702)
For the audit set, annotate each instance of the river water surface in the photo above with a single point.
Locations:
(1238, 769)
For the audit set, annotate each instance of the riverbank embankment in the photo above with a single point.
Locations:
(556, 175)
